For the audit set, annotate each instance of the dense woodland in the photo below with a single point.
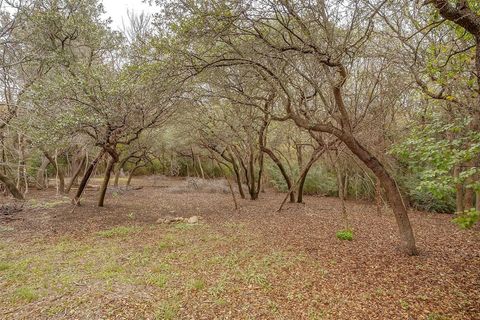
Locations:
(368, 99)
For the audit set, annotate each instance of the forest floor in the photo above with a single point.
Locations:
(117, 262)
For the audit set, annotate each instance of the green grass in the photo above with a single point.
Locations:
(346, 234)
(117, 232)
(26, 294)
(158, 280)
(197, 284)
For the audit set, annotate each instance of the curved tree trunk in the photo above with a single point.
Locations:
(106, 179)
(76, 174)
(238, 177)
(130, 175)
(11, 187)
(86, 176)
(61, 176)
(304, 174)
(282, 170)
(393, 194)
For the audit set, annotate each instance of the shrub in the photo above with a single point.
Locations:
(467, 219)
(346, 234)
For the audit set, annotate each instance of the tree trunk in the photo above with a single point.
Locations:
(106, 179)
(59, 171)
(86, 176)
(458, 190)
(304, 173)
(76, 174)
(10, 185)
(41, 174)
(119, 169)
(238, 177)
(284, 173)
(393, 194)
(130, 175)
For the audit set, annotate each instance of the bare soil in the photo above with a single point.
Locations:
(63, 262)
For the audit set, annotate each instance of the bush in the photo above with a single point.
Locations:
(318, 181)
(346, 234)
(424, 200)
(467, 219)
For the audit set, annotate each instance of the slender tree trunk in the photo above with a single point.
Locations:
(86, 176)
(378, 196)
(106, 179)
(284, 173)
(200, 166)
(41, 174)
(59, 171)
(76, 174)
(130, 175)
(120, 166)
(304, 174)
(10, 185)
(458, 190)
(238, 177)
(341, 194)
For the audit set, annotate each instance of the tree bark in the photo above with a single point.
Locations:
(284, 173)
(86, 176)
(61, 176)
(10, 185)
(458, 190)
(41, 174)
(393, 194)
(76, 174)
(106, 179)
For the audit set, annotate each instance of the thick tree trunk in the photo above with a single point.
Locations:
(106, 179)
(393, 194)
(86, 176)
(76, 174)
(10, 185)
(284, 173)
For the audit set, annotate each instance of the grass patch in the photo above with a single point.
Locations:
(26, 294)
(197, 284)
(158, 280)
(184, 226)
(167, 311)
(117, 232)
(346, 234)
(4, 266)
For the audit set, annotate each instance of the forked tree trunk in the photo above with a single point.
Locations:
(86, 176)
(76, 174)
(106, 180)
(11, 187)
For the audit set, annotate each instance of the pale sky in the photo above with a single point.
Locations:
(117, 10)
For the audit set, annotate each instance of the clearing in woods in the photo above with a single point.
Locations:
(118, 262)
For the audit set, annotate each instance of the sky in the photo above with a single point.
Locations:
(117, 10)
